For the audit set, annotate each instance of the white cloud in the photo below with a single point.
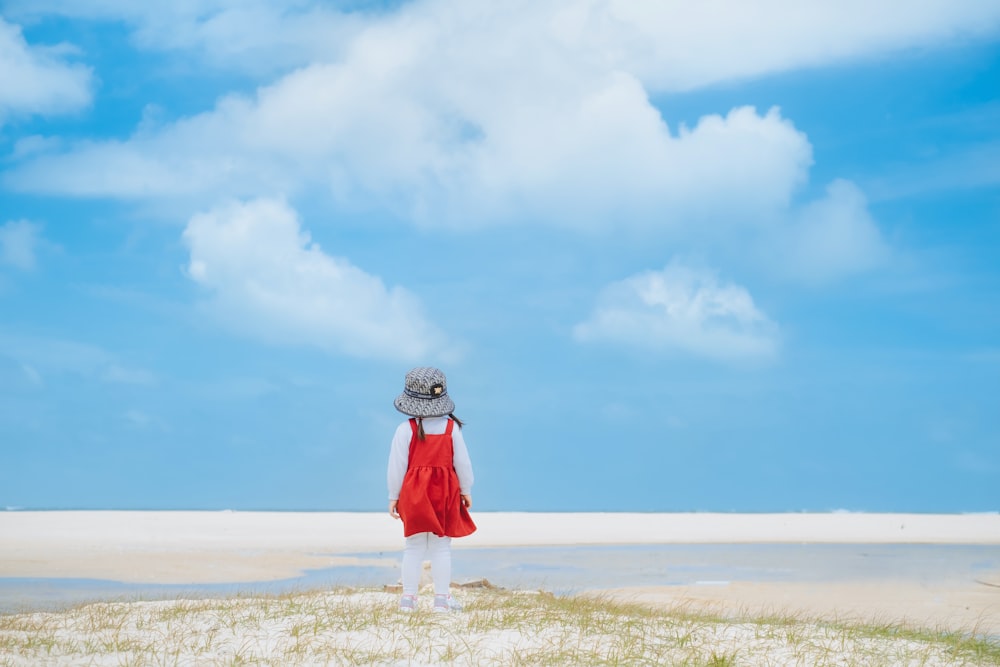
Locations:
(683, 46)
(967, 168)
(604, 158)
(40, 357)
(118, 374)
(235, 389)
(18, 242)
(34, 377)
(142, 420)
(477, 113)
(268, 280)
(256, 36)
(669, 45)
(832, 237)
(36, 79)
(682, 310)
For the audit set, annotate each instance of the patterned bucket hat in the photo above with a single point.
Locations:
(425, 394)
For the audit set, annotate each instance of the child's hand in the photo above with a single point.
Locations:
(467, 500)
(392, 509)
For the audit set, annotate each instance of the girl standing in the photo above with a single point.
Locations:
(430, 484)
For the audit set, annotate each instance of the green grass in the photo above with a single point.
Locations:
(363, 627)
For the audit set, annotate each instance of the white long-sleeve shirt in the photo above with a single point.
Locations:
(399, 454)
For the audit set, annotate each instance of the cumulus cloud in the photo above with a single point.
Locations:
(267, 279)
(477, 113)
(18, 242)
(604, 157)
(682, 310)
(36, 79)
(832, 237)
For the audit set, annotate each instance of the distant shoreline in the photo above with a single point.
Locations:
(221, 546)
(259, 510)
(217, 548)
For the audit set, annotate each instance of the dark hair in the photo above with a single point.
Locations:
(420, 425)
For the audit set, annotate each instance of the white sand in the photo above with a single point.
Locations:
(959, 606)
(364, 628)
(218, 547)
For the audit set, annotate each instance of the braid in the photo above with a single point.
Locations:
(420, 425)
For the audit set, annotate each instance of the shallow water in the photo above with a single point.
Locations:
(574, 569)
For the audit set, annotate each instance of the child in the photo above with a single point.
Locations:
(430, 484)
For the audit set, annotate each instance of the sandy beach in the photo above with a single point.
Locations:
(218, 547)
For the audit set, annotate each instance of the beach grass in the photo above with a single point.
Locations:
(364, 627)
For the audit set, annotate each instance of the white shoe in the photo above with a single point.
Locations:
(446, 603)
(408, 603)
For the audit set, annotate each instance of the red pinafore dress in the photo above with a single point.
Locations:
(430, 499)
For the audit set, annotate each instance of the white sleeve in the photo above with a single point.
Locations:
(399, 456)
(463, 465)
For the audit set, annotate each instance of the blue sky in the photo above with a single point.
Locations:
(672, 256)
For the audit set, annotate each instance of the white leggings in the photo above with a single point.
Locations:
(427, 546)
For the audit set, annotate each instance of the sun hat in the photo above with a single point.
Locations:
(425, 394)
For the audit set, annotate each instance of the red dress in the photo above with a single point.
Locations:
(430, 499)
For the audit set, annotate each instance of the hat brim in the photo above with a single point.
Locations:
(423, 407)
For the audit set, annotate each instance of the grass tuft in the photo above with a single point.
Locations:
(364, 627)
